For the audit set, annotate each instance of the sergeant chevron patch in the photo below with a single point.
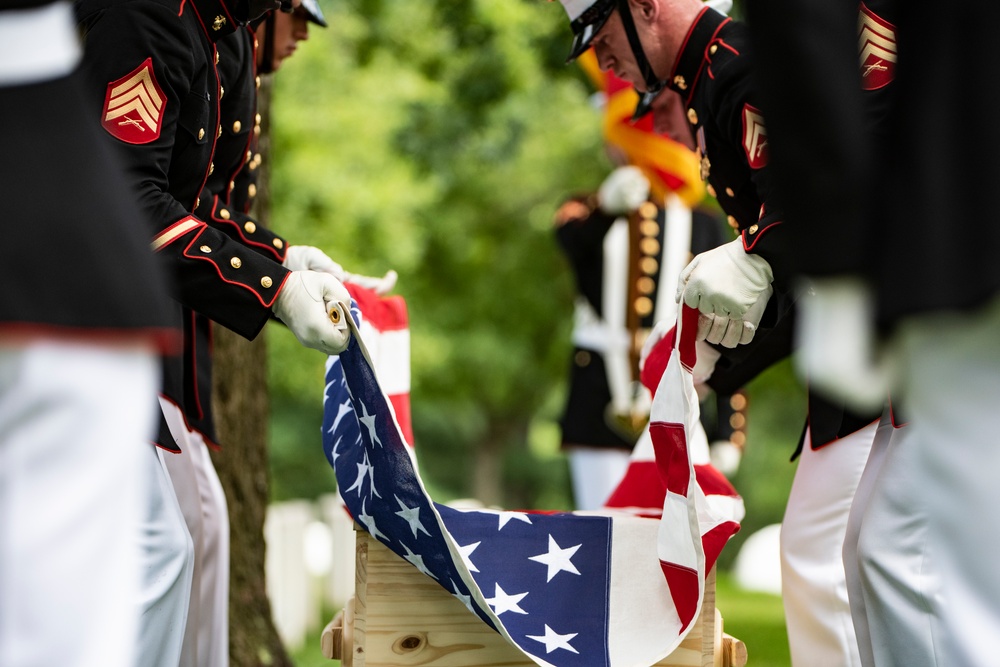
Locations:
(134, 105)
(754, 137)
(876, 48)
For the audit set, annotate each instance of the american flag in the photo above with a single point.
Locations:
(568, 589)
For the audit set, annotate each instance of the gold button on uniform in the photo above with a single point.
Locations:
(266, 282)
(236, 262)
(647, 210)
(211, 167)
(249, 155)
(646, 285)
(257, 119)
(732, 222)
(237, 125)
(205, 249)
(710, 189)
(649, 246)
(257, 80)
(216, 57)
(201, 133)
(729, 191)
(692, 116)
(250, 227)
(222, 92)
(649, 265)
(197, 202)
(218, 132)
(582, 358)
(643, 305)
(278, 243)
(649, 228)
(712, 49)
(753, 229)
(252, 190)
(224, 213)
(232, 184)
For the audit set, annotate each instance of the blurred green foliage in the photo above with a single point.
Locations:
(437, 138)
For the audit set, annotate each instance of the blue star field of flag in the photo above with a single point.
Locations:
(544, 577)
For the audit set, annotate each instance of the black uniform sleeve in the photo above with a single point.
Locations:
(811, 93)
(213, 274)
(735, 108)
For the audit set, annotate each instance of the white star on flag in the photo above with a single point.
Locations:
(502, 601)
(369, 422)
(363, 469)
(553, 640)
(342, 410)
(466, 553)
(464, 599)
(369, 522)
(411, 515)
(505, 517)
(557, 559)
(418, 561)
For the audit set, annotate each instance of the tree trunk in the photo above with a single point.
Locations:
(241, 406)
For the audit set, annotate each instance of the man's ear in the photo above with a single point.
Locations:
(647, 9)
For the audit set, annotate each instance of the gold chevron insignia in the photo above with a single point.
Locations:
(136, 100)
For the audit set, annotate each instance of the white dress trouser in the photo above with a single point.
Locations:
(595, 472)
(167, 568)
(203, 502)
(813, 586)
(75, 426)
(928, 540)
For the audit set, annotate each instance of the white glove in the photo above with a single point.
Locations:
(725, 280)
(308, 258)
(624, 190)
(732, 331)
(380, 286)
(836, 343)
(314, 305)
(705, 364)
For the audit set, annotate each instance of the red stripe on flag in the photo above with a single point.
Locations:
(713, 482)
(715, 539)
(670, 445)
(685, 589)
(687, 349)
(385, 313)
(656, 361)
(640, 487)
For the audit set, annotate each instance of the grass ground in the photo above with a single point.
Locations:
(755, 618)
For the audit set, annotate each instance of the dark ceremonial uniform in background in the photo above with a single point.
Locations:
(154, 62)
(586, 419)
